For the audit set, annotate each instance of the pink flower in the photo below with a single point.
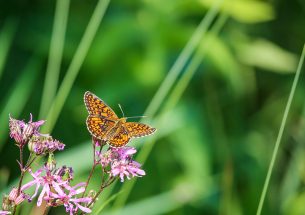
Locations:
(125, 168)
(121, 163)
(21, 132)
(4, 212)
(71, 203)
(124, 152)
(46, 181)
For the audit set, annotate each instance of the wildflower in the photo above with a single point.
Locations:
(21, 132)
(121, 163)
(4, 212)
(43, 144)
(47, 181)
(124, 153)
(126, 168)
(71, 203)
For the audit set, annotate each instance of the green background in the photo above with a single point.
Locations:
(218, 124)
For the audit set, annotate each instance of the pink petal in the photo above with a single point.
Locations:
(45, 189)
(29, 184)
(4, 212)
(86, 210)
(85, 199)
(57, 188)
(80, 190)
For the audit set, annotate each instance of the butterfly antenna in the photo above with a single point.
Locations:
(135, 117)
(121, 110)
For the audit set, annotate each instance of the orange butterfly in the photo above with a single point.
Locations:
(105, 125)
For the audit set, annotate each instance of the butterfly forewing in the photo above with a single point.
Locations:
(98, 126)
(136, 129)
(96, 106)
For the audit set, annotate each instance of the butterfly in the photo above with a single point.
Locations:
(105, 125)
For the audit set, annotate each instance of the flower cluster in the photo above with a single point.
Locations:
(43, 144)
(38, 143)
(120, 162)
(56, 189)
(51, 185)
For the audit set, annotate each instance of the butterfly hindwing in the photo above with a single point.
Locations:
(96, 106)
(121, 138)
(136, 129)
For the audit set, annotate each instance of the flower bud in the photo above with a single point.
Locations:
(21, 132)
(20, 198)
(13, 194)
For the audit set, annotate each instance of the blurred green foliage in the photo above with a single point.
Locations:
(216, 129)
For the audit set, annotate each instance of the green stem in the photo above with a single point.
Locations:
(280, 134)
(92, 169)
(22, 173)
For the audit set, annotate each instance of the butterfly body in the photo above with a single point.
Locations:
(105, 125)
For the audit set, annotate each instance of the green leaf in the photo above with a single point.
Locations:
(223, 59)
(267, 55)
(246, 11)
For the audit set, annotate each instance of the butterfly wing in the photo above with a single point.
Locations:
(121, 138)
(136, 129)
(98, 107)
(98, 126)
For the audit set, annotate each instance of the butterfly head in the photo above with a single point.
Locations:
(123, 119)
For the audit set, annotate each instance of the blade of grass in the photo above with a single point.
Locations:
(6, 38)
(76, 63)
(18, 96)
(182, 59)
(55, 55)
(280, 134)
(173, 99)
